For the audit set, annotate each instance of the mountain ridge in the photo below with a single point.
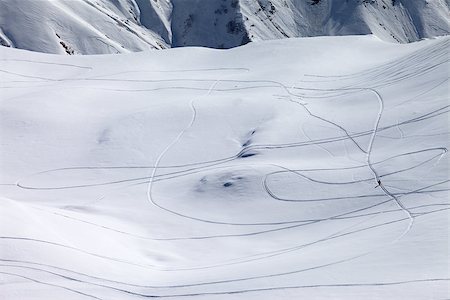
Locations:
(120, 26)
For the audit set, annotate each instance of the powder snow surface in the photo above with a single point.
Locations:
(248, 173)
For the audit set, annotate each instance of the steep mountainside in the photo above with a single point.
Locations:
(115, 26)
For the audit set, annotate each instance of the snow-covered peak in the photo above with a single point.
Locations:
(117, 26)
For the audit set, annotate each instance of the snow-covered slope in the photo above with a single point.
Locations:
(74, 27)
(248, 173)
(116, 26)
(392, 20)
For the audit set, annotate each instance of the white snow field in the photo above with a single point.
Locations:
(248, 173)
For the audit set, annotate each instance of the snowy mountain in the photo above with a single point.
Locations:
(117, 26)
(310, 168)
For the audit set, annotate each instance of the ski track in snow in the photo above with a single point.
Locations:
(364, 218)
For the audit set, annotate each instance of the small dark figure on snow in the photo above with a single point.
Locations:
(379, 183)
